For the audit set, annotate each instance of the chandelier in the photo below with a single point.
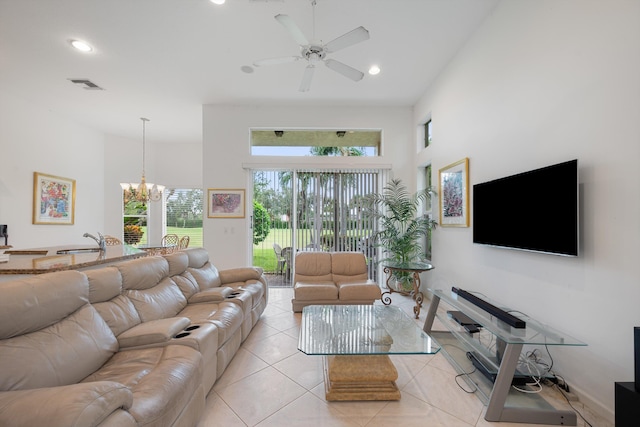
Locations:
(142, 191)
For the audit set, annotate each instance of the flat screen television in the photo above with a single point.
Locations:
(532, 211)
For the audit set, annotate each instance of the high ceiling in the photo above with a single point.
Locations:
(164, 59)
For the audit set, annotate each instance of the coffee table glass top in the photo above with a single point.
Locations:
(361, 329)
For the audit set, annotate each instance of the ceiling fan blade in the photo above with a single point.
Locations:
(306, 78)
(344, 69)
(358, 35)
(275, 61)
(293, 29)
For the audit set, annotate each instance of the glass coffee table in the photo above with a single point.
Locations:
(356, 341)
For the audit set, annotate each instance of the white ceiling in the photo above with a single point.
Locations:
(163, 59)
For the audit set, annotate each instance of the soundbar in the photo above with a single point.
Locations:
(499, 313)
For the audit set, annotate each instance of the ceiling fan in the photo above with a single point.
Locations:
(315, 51)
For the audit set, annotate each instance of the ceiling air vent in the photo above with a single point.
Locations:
(86, 84)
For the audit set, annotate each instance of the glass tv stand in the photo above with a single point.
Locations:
(496, 358)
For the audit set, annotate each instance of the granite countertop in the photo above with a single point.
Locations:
(46, 260)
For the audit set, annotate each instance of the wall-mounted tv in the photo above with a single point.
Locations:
(533, 211)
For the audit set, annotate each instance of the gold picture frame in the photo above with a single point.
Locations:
(54, 199)
(454, 194)
(225, 203)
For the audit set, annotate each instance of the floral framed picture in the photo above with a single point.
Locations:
(225, 203)
(454, 194)
(54, 199)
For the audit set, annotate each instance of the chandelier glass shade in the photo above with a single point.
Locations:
(142, 191)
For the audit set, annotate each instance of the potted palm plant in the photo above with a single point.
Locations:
(402, 230)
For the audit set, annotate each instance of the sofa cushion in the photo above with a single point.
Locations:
(143, 273)
(61, 354)
(162, 379)
(359, 291)
(187, 284)
(73, 405)
(104, 284)
(31, 304)
(105, 288)
(206, 277)
(315, 291)
(313, 267)
(178, 262)
(198, 257)
(162, 300)
(348, 267)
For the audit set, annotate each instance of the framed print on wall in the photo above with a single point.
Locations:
(54, 199)
(225, 203)
(454, 194)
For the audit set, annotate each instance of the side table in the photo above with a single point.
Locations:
(412, 268)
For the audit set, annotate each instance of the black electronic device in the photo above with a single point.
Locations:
(499, 313)
(491, 373)
(461, 318)
(535, 211)
(472, 329)
(636, 356)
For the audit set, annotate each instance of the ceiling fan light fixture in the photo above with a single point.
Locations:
(374, 70)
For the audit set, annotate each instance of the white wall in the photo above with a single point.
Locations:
(227, 149)
(542, 82)
(33, 139)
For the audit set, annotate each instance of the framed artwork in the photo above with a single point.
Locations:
(454, 194)
(54, 199)
(225, 203)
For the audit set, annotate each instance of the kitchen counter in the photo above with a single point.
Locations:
(46, 260)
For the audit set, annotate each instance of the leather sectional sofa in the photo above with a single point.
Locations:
(138, 343)
(332, 278)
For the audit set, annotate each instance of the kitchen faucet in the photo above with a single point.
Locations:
(101, 242)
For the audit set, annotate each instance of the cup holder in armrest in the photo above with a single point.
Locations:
(192, 327)
(233, 294)
(182, 335)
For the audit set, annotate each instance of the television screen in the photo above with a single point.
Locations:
(534, 211)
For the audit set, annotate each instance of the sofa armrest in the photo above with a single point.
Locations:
(153, 332)
(234, 275)
(211, 295)
(84, 404)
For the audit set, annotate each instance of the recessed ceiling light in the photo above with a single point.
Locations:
(81, 46)
(374, 70)
(218, 1)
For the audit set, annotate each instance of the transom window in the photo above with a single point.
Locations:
(296, 142)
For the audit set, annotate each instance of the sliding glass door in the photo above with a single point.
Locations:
(312, 210)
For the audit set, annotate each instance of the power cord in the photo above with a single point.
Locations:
(572, 407)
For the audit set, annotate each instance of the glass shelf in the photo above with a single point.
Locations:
(535, 332)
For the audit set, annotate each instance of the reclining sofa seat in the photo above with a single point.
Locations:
(61, 364)
(332, 278)
(246, 286)
(156, 295)
(107, 296)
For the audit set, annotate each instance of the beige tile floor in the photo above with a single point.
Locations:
(270, 383)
